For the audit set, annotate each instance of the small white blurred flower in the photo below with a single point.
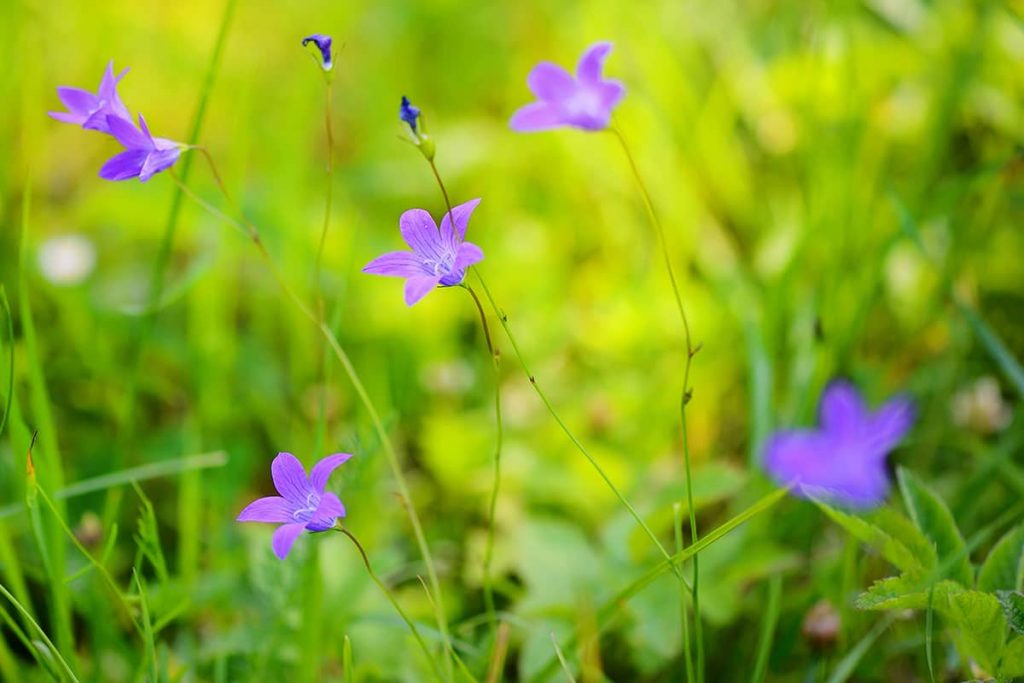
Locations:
(67, 259)
(980, 407)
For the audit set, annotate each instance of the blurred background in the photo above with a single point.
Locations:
(793, 150)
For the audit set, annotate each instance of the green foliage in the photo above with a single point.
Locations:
(934, 519)
(1003, 569)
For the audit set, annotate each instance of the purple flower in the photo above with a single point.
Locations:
(844, 459)
(303, 505)
(438, 257)
(583, 102)
(323, 43)
(409, 113)
(92, 111)
(144, 154)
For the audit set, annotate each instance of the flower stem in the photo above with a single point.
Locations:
(357, 384)
(687, 392)
(489, 548)
(503, 319)
(329, 196)
(394, 602)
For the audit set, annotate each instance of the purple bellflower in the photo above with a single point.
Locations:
(144, 154)
(323, 43)
(844, 460)
(303, 505)
(438, 256)
(91, 111)
(585, 101)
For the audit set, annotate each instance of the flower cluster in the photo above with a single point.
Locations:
(143, 155)
(843, 460)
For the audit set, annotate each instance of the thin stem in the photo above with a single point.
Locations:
(394, 602)
(687, 392)
(389, 450)
(42, 634)
(503, 319)
(684, 616)
(329, 197)
(489, 548)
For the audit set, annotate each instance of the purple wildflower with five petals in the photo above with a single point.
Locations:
(303, 505)
(144, 154)
(323, 43)
(844, 460)
(438, 256)
(583, 102)
(91, 111)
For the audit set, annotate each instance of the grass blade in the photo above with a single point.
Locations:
(771, 619)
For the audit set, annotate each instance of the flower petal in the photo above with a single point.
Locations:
(127, 134)
(108, 92)
(830, 468)
(329, 510)
(890, 423)
(397, 264)
(536, 116)
(290, 478)
(127, 164)
(322, 470)
(420, 232)
(77, 101)
(550, 82)
(460, 214)
(274, 509)
(842, 411)
(418, 287)
(610, 94)
(158, 160)
(284, 537)
(589, 68)
(467, 255)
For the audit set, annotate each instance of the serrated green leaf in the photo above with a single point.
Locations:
(1013, 608)
(981, 626)
(889, 547)
(1013, 658)
(1002, 569)
(934, 519)
(903, 530)
(895, 592)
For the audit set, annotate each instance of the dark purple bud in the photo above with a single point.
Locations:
(410, 114)
(323, 43)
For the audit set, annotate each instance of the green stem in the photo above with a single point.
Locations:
(329, 197)
(684, 615)
(389, 450)
(489, 548)
(503, 319)
(163, 257)
(42, 634)
(687, 392)
(394, 602)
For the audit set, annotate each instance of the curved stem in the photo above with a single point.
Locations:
(489, 548)
(687, 392)
(329, 198)
(394, 601)
(357, 384)
(503, 319)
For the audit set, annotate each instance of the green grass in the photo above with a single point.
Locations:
(840, 190)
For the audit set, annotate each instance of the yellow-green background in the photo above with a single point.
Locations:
(779, 140)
